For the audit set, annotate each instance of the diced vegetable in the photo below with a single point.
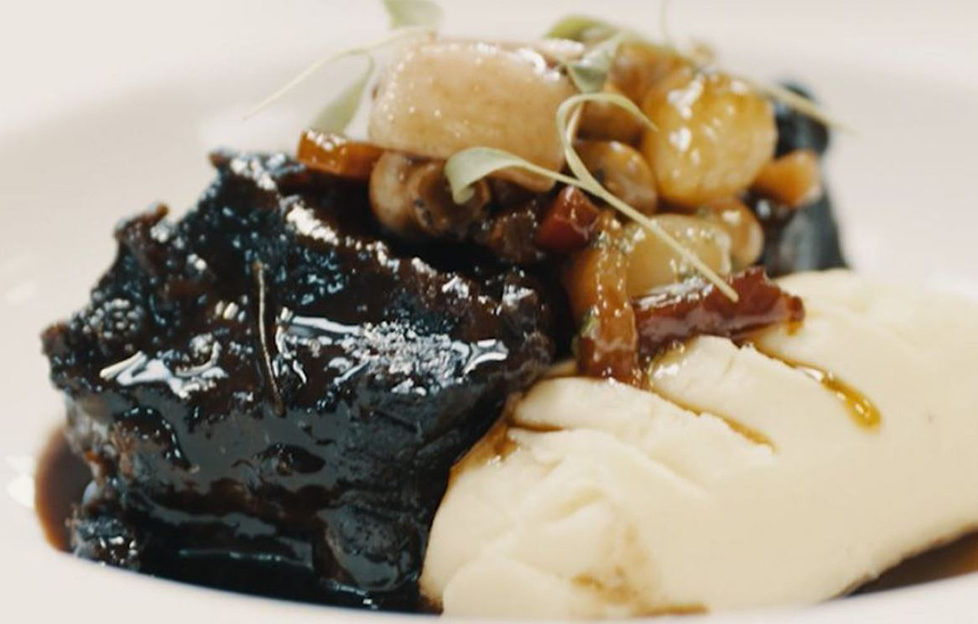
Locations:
(568, 223)
(607, 341)
(697, 308)
(793, 179)
(337, 155)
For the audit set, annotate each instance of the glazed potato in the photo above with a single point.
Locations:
(441, 97)
(652, 264)
(714, 135)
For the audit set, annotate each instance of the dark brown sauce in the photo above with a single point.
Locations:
(862, 410)
(58, 486)
(61, 479)
(955, 559)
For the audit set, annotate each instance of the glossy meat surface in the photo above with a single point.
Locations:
(271, 402)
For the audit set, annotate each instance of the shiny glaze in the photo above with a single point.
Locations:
(861, 408)
(667, 363)
(270, 398)
(673, 314)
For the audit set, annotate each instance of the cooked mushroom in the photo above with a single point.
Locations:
(410, 198)
(604, 121)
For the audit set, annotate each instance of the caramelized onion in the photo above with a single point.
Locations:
(595, 281)
(337, 155)
(793, 179)
(740, 222)
(696, 308)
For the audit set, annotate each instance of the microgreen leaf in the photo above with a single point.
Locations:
(590, 72)
(404, 13)
(581, 28)
(610, 98)
(338, 114)
(467, 167)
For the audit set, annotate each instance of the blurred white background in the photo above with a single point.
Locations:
(55, 54)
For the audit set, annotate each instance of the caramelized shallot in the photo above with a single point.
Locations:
(713, 136)
(695, 308)
(568, 223)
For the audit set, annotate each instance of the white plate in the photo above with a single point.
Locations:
(109, 105)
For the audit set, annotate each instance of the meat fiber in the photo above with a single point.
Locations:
(270, 398)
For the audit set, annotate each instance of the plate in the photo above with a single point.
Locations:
(112, 105)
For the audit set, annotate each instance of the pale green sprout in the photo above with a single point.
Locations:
(587, 76)
(467, 167)
(797, 102)
(581, 28)
(340, 111)
(590, 72)
(338, 114)
(406, 13)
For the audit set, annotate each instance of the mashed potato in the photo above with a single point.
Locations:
(739, 480)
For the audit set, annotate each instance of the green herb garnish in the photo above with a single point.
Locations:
(467, 167)
(581, 28)
(407, 13)
(590, 72)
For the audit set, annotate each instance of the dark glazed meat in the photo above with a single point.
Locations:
(799, 239)
(270, 401)
(797, 130)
